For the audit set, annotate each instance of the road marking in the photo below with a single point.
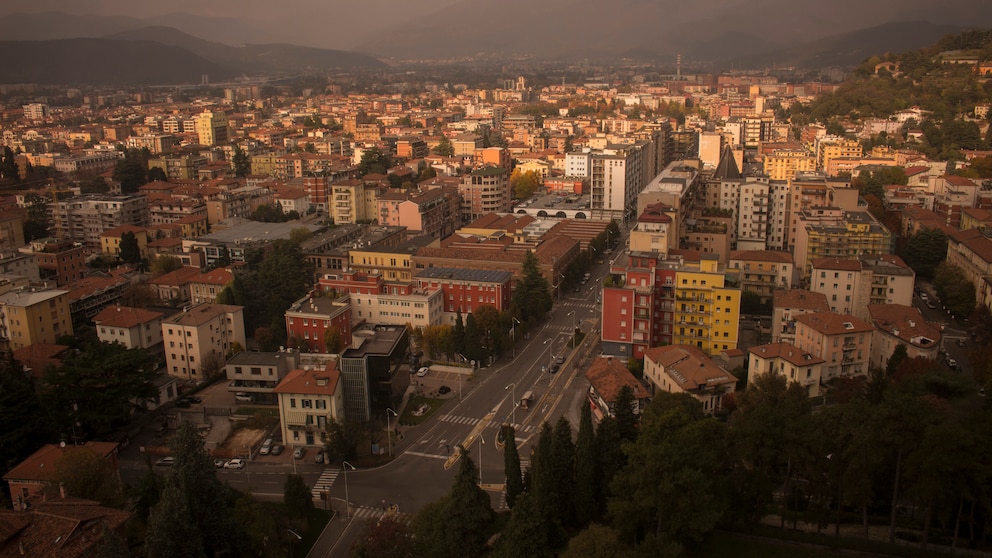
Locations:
(429, 455)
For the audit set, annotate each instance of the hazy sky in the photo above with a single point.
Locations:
(304, 22)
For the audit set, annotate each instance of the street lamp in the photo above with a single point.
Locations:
(513, 335)
(291, 543)
(513, 393)
(482, 442)
(388, 434)
(347, 500)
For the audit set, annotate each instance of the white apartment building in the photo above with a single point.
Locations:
(201, 337)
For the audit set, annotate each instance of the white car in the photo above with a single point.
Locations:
(243, 397)
(423, 371)
(235, 464)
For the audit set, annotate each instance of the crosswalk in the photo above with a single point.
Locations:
(472, 421)
(325, 482)
(367, 512)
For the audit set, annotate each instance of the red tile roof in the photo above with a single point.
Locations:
(830, 323)
(607, 375)
(787, 352)
(125, 316)
(800, 299)
(311, 382)
(688, 367)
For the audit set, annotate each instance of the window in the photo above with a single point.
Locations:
(307, 404)
(292, 403)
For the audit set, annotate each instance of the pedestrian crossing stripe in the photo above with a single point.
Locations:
(473, 421)
(325, 482)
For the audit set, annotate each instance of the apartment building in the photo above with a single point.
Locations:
(84, 218)
(110, 240)
(179, 167)
(61, 261)
(29, 316)
(258, 373)
(435, 212)
(394, 263)
(784, 164)
(786, 359)
(485, 190)
(971, 252)
(376, 301)
(787, 304)
(834, 147)
(763, 271)
(132, 327)
(465, 290)
(686, 369)
(751, 230)
(349, 200)
(205, 287)
(212, 128)
(198, 340)
(616, 177)
(309, 319)
(834, 233)
(897, 324)
(656, 229)
(163, 211)
(669, 301)
(850, 285)
(308, 400)
(841, 340)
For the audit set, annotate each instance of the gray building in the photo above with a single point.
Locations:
(369, 370)
(257, 374)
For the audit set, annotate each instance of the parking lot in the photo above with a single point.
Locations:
(440, 376)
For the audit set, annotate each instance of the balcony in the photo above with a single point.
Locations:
(849, 347)
(642, 314)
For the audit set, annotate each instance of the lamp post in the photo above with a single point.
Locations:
(347, 500)
(513, 334)
(482, 442)
(572, 314)
(513, 410)
(291, 543)
(561, 282)
(389, 441)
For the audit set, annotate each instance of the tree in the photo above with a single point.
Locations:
(532, 295)
(925, 250)
(563, 456)
(955, 291)
(526, 533)
(297, 497)
(156, 174)
(96, 185)
(624, 410)
(386, 538)
(163, 264)
(240, 162)
(332, 340)
(131, 171)
(524, 184)
(444, 148)
(83, 473)
(130, 253)
(36, 225)
(669, 492)
(899, 354)
(511, 466)
(341, 440)
(596, 541)
(468, 515)
(588, 480)
(374, 161)
(100, 387)
(299, 234)
(8, 165)
(196, 512)
(23, 424)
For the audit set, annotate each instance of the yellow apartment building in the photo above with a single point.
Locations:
(29, 316)
(707, 310)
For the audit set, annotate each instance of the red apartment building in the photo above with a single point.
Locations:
(61, 260)
(647, 295)
(309, 318)
(465, 290)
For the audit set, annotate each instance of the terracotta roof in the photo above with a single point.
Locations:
(687, 366)
(800, 299)
(607, 375)
(201, 314)
(837, 264)
(977, 213)
(179, 277)
(774, 256)
(219, 276)
(57, 528)
(787, 352)
(311, 382)
(829, 323)
(38, 466)
(125, 316)
(86, 286)
(905, 322)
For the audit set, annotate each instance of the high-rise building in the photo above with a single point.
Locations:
(212, 128)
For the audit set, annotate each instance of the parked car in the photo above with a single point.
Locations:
(443, 390)
(235, 464)
(299, 452)
(266, 447)
(960, 342)
(952, 363)
(319, 458)
(183, 403)
(243, 397)
(424, 370)
(923, 296)
(277, 449)
(195, 400)
(166, 462)
(555, 367)
(560, 359)
(931, 305)
(219, 463)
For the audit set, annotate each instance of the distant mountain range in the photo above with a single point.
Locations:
(716, 33)
(149, 55)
